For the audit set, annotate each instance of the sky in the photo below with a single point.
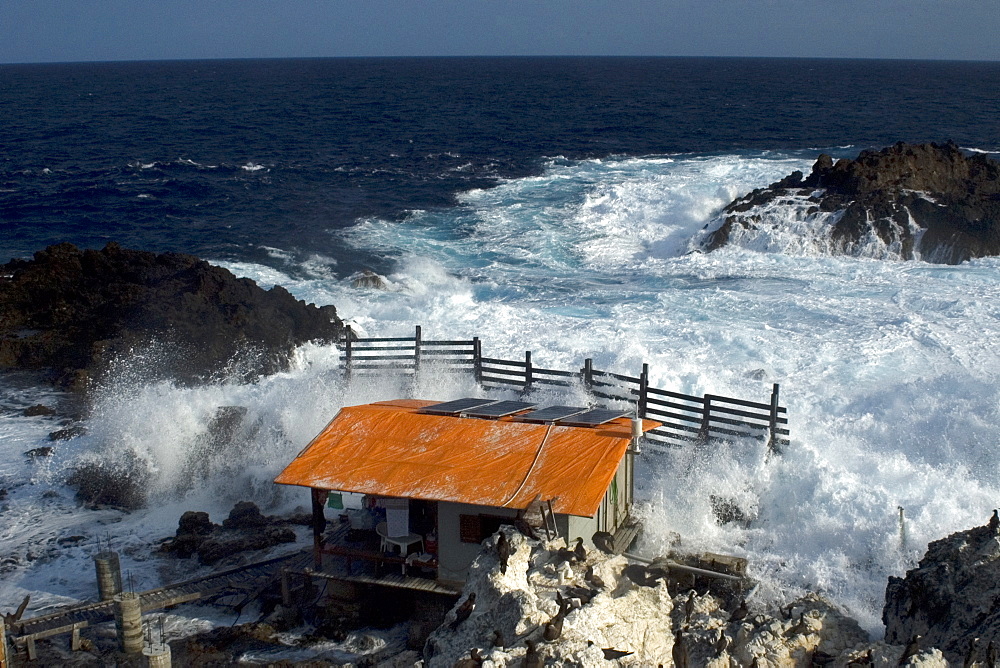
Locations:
(99, 30)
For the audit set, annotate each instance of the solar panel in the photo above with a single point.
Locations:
(551, 413)
(591, 418)
(457, 406)
(499, 409)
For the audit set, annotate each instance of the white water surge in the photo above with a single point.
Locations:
(886, 368)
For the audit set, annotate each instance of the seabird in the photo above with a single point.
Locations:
(679, 651)
(612, 654)
(604, 542)
(863, 660)
(741, 611)
(800, 627)
(580, 551)
(689, 607)
(553, 629)
(503, 551)
(991, 654)
(585, 595)
(464, 610)
(994, 523)
(722, 643)
(912, 649)
(498, 640)
(532, 659)
(473, 661)
(593, 578)
(970, 653)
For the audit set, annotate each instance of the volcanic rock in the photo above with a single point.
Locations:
(926, 201)
(951, 596)
(73, 312)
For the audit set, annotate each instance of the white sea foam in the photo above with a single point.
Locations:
(887, 370)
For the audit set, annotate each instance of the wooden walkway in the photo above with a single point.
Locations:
(248, 580)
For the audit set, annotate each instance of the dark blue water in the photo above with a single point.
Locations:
(224, 158)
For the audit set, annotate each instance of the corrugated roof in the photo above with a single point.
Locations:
(390, 449)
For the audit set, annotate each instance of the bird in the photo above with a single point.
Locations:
(800, 627)
(912, 649)
(526, 529)
(580, 551)
(612, 654)
(679, 651)
(741, 611)
(503, 551)
(722, 643)
(994, 523)
(532, 659)
(604, 542)
(637, 574)
(689, 607)
(473, 661)
(554, 627)
(498, 639)
(593, 578)
(970, 653)
(822, 658)
(585, 595)
(564, 555)
(464, 610)
(991, 655)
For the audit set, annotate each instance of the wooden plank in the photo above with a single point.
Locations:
(503, 381)
(678, 395)
(359, 348)
(384, 339)
(746, 404)
(555, 372)
(656, 414)
(48, 633)
(493, 360)
(733, 411)
(149, 605)
(470, 344)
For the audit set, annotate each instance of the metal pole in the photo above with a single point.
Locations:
(643, 390)
(705, 418)
(347, 353)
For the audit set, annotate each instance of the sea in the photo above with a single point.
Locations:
(547, 204)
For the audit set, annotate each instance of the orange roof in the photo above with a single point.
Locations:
(390, 449)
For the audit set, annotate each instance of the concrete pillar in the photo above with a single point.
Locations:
(128, 622)
(109, 575)
(157, 655)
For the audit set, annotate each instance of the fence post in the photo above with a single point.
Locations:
(643, 390)
(477, 360)
(416, 353)
(347, 352)
(705, 418)
(588, 373)
(527, 371)
(772, 444)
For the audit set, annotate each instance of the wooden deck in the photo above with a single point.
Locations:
(387, 580)
(352, 556)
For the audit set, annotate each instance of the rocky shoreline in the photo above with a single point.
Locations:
(545, 605)
(73, 314)
(931, 201)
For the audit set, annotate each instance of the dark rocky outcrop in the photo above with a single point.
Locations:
(952, 198)
(951, 596)
(72, 312)
(246, 529)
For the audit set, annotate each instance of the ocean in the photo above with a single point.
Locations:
(544, 204)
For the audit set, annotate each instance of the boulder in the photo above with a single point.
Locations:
(951, 596)
(927, 201)
(73, 312)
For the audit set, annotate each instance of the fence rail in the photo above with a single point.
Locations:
(684, 419)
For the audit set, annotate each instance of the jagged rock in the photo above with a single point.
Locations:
(369, 279)
(195, 522)
(119, 485)
(37, 409)
(950, 596)
(67, 433)
(34, 453)
(245, 515)
(217, 547)
(74, 312)
(929, 200)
